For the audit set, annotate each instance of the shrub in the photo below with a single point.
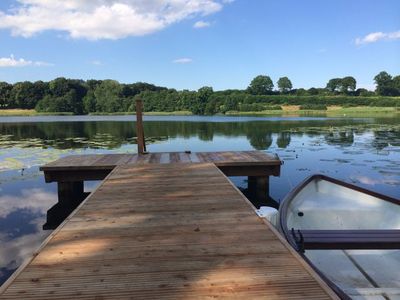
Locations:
(273, 107)
(313, 106)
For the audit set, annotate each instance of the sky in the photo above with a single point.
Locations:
(187, 44)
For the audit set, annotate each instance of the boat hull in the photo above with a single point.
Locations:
(324, 204)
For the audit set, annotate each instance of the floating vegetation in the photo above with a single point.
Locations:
(97, 141)
(12, 163)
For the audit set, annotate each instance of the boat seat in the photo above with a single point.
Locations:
(347, 239)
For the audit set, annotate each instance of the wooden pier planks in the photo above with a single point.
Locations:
(99, 161)
(97, 166)
(165, 231)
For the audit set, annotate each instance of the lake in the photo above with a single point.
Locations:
(363, 151)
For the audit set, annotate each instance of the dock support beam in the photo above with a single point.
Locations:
(70, 195)
(258, 187)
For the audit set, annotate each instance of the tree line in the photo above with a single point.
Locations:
(109, 96)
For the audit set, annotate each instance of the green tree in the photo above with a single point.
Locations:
(92, 84)
(231, 104)
(364, 92)
(64, 103)
(348, 84)
(301, 92)
(108, 97)
(68, 91)
(334, 84)
(198, 107)
(5, 95)
(396, 84)
(24, 95)
(59, 87)
(261, 85)
(284, 85)
(89, 102)
(211, 107)
(383, 83)
(313, 91)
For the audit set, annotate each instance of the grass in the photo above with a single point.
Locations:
(257, 113)
(172, 113)
(17, 112)
(331, 111)
(363, 109)
(30, 112)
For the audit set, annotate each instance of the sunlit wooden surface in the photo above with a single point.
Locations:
(165, 231)
(225, 158)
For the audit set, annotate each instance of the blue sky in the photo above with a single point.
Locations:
(187, 44)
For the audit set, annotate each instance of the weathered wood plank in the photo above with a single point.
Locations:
(243, 163)
(164, 158)
(155, 158)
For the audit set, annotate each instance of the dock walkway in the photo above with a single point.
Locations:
(177, 231)
(97, 166)
(71, 172)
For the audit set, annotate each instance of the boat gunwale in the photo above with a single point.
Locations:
(283, 209)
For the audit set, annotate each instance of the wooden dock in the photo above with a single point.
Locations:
(97, 166)
(71, 172)
(165, 231)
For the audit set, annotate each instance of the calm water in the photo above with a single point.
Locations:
(363, 151)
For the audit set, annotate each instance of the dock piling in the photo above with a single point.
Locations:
(139, 127)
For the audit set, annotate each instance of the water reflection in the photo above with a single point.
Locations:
(283, 140)
(361, 151)
(111, 134)
(23, 208)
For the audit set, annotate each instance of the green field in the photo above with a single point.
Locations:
(30, 112)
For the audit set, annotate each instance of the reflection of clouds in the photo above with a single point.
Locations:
(14, 252)
(373, 181)
(35, 200)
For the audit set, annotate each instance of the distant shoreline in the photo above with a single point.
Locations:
(286, 110)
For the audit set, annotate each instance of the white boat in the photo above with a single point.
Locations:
(349, 235)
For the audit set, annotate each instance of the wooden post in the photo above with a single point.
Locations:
(139, 127)
(70, 195)
(258, 187)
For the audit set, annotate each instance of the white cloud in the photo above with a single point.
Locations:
(101, 19)
(378, 36)
(183, 60)
(20, 62)
(201, 24)
(15, 251)
(35, 200)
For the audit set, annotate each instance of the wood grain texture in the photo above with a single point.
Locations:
(165, 231)
(101, 161)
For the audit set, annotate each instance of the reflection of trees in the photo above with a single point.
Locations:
(342, 138)
(113, 134)
(205, 132)
(384, 138)
(283, 139)
(260, 141)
